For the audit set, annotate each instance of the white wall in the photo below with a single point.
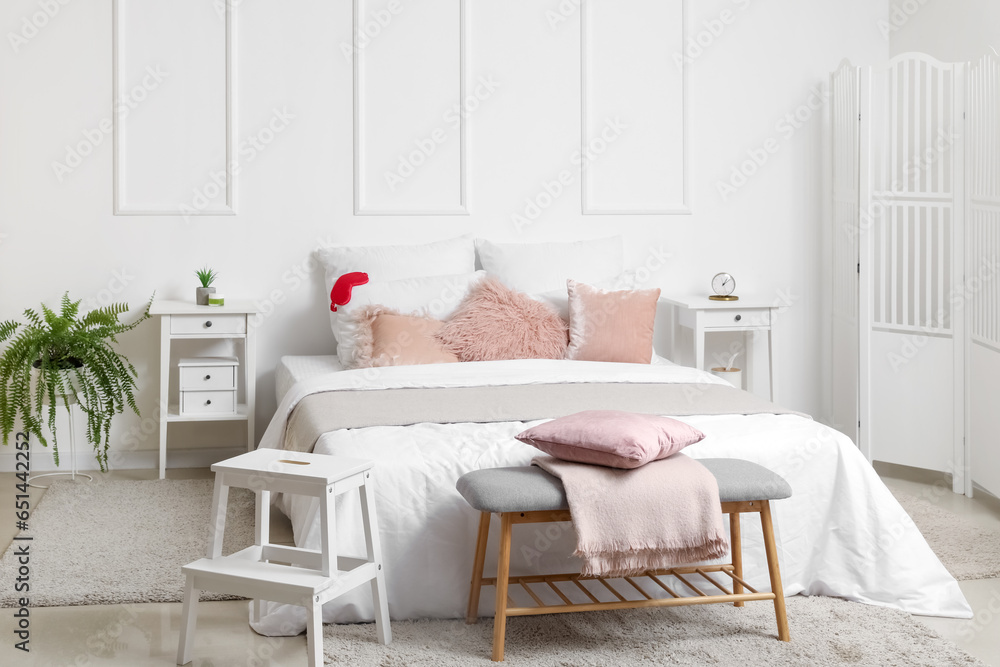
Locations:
(949, 30)
(298, 192)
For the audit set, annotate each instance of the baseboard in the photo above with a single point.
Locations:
(145, 459)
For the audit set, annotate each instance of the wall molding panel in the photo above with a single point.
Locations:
(410, 137)
(175, 135)
(634, 139)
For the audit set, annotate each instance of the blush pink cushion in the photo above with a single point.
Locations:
(495, 322)
(388, 338)
(611, 438)
(611, 325)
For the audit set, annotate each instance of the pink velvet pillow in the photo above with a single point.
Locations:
(387, 338)
(495, 322)
(611, 438)
(611, 325)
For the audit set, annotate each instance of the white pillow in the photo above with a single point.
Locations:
(433, 296)
(392, 262)
(543, 267)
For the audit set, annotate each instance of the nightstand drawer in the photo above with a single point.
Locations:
(746, 318)
(207, 402)
(208, 324)
(203, 378)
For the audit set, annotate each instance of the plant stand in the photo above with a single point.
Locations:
(73, 473)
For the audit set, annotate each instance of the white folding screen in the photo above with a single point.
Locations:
(916, 338)
(845, 87)
(982, 289)
(918, 226)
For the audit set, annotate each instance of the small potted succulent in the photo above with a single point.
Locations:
(207, 276)
(64, 358)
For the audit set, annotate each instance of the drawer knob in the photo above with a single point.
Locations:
(208, 324)
(208, 377)
(208, 402)
(739, 317)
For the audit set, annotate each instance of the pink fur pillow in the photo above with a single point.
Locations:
(387, 338)
(495, 322)
(611, 325)
(611, 438)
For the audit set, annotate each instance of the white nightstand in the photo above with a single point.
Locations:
(183, 321)
(704, 316)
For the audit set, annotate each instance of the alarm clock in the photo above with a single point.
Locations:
(723, 284)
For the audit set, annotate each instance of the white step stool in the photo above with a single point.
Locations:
(314, 577)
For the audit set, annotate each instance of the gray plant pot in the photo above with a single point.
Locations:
(203, 292)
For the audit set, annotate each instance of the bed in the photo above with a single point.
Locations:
(842, 534)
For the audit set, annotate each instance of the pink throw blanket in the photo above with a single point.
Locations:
(661, 515)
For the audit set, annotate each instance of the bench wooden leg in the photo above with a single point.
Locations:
(472, 613)
(736, 551)
(772, 568)
(503, 573)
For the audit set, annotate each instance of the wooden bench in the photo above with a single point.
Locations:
(530, 495)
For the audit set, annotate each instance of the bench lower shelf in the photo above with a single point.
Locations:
(653, 580)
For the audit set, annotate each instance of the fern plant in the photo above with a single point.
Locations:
(57, 355)
(207, 276)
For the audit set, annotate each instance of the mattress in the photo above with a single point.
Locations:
(292, 369)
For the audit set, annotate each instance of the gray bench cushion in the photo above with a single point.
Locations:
(742, 480)
(531, 489)
(522, 489)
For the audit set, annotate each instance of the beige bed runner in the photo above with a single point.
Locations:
(327, 411)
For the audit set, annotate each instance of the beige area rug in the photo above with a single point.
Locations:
(110, 542)
(825, 631)
(968, 549)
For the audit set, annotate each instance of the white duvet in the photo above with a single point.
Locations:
(841, 534)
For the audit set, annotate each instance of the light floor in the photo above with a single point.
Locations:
(146, 634)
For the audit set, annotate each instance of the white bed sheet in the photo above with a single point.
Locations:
(841, 534)
(295, 368)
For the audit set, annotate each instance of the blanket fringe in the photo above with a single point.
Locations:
(630, 561)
